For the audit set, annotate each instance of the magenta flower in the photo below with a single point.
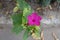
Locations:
(34, 19)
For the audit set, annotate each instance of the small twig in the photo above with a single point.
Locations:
(50, 7)
(42, 36)
(55, 37)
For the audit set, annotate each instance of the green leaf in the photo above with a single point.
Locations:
(20, 2)
(25, 4)
(25, 36)
(27, 10)
(17, 22)
(37, 31)
(25, 7)
(17, 18)
(17, 29)
(24, 20)
(31, 27)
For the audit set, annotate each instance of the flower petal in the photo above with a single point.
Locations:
(34, 19)
(37, 23)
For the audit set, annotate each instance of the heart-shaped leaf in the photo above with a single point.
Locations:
(17, 22)
(17, 18)
(17, 29)
(27, 11)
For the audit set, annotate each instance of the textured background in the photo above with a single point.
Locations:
(48, 25)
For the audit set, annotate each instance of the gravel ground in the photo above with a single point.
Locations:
(48, 27)
(6, 34)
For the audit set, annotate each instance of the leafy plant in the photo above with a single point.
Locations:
(20, 21)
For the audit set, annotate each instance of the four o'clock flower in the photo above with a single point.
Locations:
(34, 19)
